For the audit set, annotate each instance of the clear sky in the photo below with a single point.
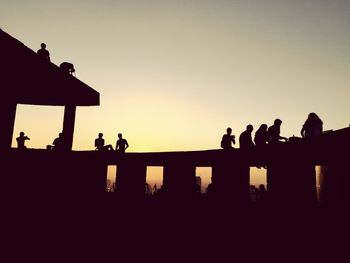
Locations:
(173, 75)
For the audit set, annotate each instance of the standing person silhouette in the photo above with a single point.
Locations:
(43, 52)
(122, 144)
(260, 138)
(227, 140)
(273, 133)
(312, 126)
(21, 140)
(100, 143)
(245, 139)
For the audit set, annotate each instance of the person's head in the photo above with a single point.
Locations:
(100, 135)
(21, 134)
(277, 122)
(250, 128)
(60, 134)
(262, 187)
(120, 135)
(229, 130)
(263, 127)
(313, 117)
(43, 45)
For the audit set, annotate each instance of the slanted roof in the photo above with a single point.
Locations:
(25, 78)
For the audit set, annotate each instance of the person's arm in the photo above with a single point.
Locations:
(126, 144)
(233, 139)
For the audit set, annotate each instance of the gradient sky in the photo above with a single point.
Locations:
(173, 75)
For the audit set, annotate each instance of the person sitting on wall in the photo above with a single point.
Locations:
(227, 140)
(67, 68)
(245, 139)
(21, 140)
(273, 133)
(122, 144)
(43, 52)
(260, 138)
(58, 143)
(312, 126)
(100, 144)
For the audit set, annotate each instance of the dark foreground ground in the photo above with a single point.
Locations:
(99, 229)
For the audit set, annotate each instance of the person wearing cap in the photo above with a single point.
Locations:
(273, 133)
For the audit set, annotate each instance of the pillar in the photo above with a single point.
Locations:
(180, 180)
(7, 121)
(230, 182)
(131, 178)
(68, 125)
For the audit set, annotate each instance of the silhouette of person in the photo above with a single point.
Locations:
(58, 143)
(260, 138)
(273, 133)
(122, 144)
(312, 126)
(43, 52)
(100, 143)
(67, 67)
(245, 139)
(261, 197)
(227, 140)
(21, 140)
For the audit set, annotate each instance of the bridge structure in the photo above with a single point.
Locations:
(291, 176)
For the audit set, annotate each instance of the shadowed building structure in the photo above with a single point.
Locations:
(26, 78)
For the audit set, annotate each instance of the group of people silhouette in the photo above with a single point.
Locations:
(121, 144)
(312, 128)
(59, 144)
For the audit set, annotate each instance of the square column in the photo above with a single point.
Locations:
(68, 126)
(7, 121)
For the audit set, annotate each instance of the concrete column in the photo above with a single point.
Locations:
(230, 182)
(131, 178)
(68, 126)
(7, 121)
(180, 180)
(292, 182)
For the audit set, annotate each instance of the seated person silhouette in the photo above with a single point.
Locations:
(67, 68)
(260, 138)
(43, 52)
(58, 143)
(100, 144)
(245, 139)
(312, 126)
(122, 144)
(227, 140)
(21, 140)
(273, 133)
